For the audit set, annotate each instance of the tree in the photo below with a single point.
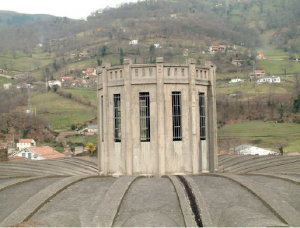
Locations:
(103, 50)
(297, 104)
(99, 62)
(90, 147)
(73, 127)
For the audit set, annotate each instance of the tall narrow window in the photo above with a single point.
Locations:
(176, 108)
(202, 116)
(144, 117)
(136, 72)
(175, 71)
(182, 72)
(169, 71)
(150, 72)
(121, 74)
(117, 117)
(102, 127)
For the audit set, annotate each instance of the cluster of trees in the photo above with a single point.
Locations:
(17, 121)
(279, 107)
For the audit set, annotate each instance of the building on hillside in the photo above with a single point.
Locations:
(91, 130)
(157, 119)
(251, 150)
(67, 78)
(157, 46)
(25, 143)
(7, 86)
(53, 83)
(258, 73)
(78, 150)
(235, 80)
(38, 153)
(260, 55)
(173, 15)
(269, 79)
(214, 49)
(134, 42)
(237, 62)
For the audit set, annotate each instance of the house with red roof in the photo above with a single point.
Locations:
(25, 143)
(38, 153)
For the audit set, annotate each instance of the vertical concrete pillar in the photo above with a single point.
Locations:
(192, 114)
(128, 126)
(105, 117)
(212, 117)
(98, 119)
(160, 115)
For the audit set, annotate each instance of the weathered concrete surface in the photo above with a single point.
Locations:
(185, 206)
(27, 209)
(204, 213)
(221, 193)
(76, 205)
(283, 210)
(146, 198)
(107, 210)
(248, 218)
(12, 198)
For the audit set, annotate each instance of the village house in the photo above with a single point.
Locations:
(53, 83)
(92, 130)
(38, 153)
(214, 49)
(235, 80)
(260, 55)
(258, 73)
(134, 42)
(25, 143)
(173, 15)
(90, 72)
(237, 62)
(67, 80)
(269, 79)
(6, 86)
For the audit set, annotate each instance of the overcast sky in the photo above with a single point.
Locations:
(75, 9)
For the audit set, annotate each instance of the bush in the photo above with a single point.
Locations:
(73, 127)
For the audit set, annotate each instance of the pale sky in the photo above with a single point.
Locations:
(75, 9)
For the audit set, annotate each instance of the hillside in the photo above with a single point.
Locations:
(51, 47)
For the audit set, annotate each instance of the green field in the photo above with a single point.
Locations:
(276, 67)
(4, 80)
(90, 95)
(250, 89)
(23, 63)
(61, 112)
(265, 134)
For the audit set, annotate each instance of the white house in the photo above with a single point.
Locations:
(25, 143)
(156, 45)
(235, 80)
(55, 82)
(251, 150)
(134, 42)
(7, 86)
(269, 79)
(38, 153)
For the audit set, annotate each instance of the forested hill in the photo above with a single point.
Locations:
(232, 22)
(10, 18)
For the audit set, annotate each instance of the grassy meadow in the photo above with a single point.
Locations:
(265, 134)
(61, 112)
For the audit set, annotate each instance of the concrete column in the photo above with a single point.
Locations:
(212, 117)
(192, 114)
(98, 120)
(160, 115)
(105, 117)
(128, 126)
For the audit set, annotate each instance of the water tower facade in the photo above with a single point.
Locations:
(157, 119)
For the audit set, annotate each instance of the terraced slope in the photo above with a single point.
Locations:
(70, 192)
